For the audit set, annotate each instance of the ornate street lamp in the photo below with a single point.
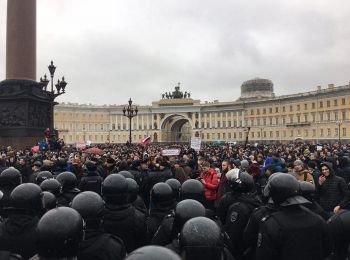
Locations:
(130, 112)
(247, 137)
(60, 87)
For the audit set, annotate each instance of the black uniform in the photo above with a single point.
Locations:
(101, 246)
(18, 234)
(251, 231)
(91, 181)
(66, 197)
(294, 232)
(127, 223)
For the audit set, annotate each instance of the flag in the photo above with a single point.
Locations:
(146, 140)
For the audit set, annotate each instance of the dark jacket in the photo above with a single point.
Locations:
(91, 181)
(333, 191)
(98, 245)
(127, 223)
(18, 235)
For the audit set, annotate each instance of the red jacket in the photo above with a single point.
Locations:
(211, 183)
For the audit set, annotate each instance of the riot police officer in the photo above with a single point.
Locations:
(175, 185)
(236, 207)
(51, 185)
(18, 231)
(121, 218)
(49, 201)
(168, 231)
(97, 244)
(9, 179)
(43, 175)
(339, 226)
(59, 232)
(162, 203)
(201, 238)
(293, 232)
(69, 188)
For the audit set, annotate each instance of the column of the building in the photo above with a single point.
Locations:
(210, 121)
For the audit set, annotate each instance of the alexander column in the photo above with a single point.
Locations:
(26, 108)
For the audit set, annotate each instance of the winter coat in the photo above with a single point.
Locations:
(211, 183)
(333, 191)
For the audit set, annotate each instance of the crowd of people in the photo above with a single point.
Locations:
(244, 202)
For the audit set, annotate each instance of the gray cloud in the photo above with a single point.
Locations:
(112, 50)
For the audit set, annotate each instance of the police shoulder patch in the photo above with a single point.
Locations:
(234, 216)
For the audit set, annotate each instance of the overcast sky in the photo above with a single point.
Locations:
(111, 50)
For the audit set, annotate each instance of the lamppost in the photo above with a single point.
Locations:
(130, 112)
(60, 88)
(247, 137)
(339, 124)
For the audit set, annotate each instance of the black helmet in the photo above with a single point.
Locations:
(51, 185)
(307, 189)
(162, 193)
(186, 210)
(115, 189)
(175, 185)
(1, 195)
(89, 205)
(133, 189)
(68, 180)
(152, 253)
(27, 196)
(284, 190)
(339, 225)
(267, 188)
(59, 232)
(201, 238)
(192, 189)
(49, 200)
(44, 175)
(126, 174)
(10, 177)
(240, 181)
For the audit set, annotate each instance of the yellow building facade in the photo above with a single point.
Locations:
(320, 115)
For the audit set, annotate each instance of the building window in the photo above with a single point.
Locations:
(305, 132)
(298, 107)
(321, 133)
(290, 108)
(218, 124)
(283, 120)
(344, 131)
(328, 116)
(252, 112)
(336, 131)
(276, 120)
(223, 123)
(313, 132)
(229, 135)
(328, 103)
(270, 119)
(229, 123)
(291, 119)
(213, 136)
(270, 110)
(271, 134)
(264, 111)
(343, 115)
(101, 125)
(258, 111)
(223, 135)
(313, 114)
(219, 136)
(264, 134)
(321, 116)
(264, 121)
(343, 101)
(305, 118)
(305, 106)
(234, 136)
(328, 132)
(335, 102)
(313, 105)
(240, 135)
(284, 109)
(101, 138)
(335, 115)
(321, 103)
(208, 136)
(252, 122)
(298, 118)
(277, 134)
(276, 109)
(258, 121)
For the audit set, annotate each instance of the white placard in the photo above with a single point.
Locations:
(319, 148)
(170, 152)
(196, 143)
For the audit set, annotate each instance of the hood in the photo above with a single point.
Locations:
(296, 200)
(330, 167)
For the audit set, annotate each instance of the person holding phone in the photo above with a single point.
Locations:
(332, 190)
